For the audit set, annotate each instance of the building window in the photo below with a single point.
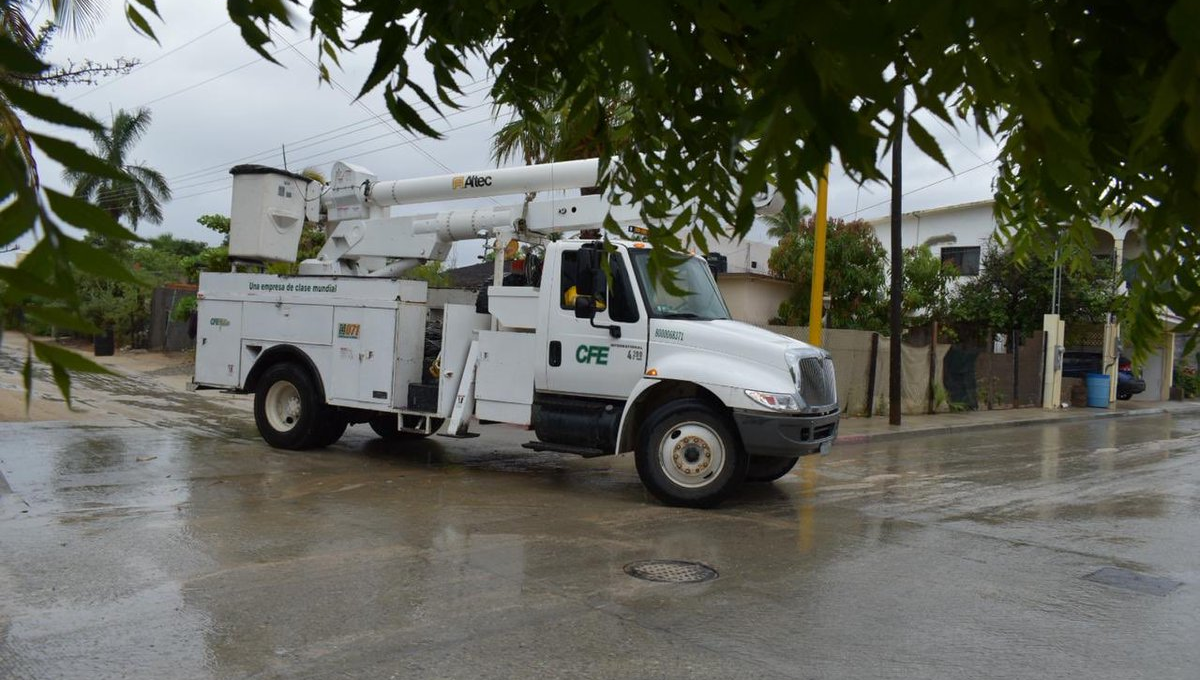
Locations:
(965, 259)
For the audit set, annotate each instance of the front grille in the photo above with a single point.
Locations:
(817, 386)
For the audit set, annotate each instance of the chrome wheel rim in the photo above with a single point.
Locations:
(691, 454)
(283, 406)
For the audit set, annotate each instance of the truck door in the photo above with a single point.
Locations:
(580, 355)
(363, 344)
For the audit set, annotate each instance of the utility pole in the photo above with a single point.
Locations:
(816, 305)
(894, 382)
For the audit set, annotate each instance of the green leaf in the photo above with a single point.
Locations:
(926, 143)
(59, 356)
(150, 5)
(48, 109)
(389, 58)
(63, 380)
(79, 213)
(408, 116)
(96, 261)
(1167, 97)
(18, 218)
(139, 23)
(61, 317)
(27, 377)
(74, 158)
(21, 284)
(15, 58)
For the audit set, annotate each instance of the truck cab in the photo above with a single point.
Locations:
(625, 361)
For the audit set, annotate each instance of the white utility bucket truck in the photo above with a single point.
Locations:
(595, 357)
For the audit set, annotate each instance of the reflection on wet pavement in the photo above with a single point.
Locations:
(182, 547)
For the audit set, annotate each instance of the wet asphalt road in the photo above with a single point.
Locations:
(182, 547)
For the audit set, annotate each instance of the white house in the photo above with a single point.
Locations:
(960, 233)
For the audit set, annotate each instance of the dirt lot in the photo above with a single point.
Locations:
(100, 397)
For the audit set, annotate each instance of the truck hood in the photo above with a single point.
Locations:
(731, 338)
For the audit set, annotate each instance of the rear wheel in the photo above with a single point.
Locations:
(287, 409)
(689, 455)
(333, 426)
(769, 468)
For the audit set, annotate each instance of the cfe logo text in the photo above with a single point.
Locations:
(592, 354)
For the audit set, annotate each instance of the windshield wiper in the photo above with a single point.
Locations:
(681, 315)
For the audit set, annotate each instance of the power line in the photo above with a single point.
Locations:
(157, 59)
(216, 77)
(957, 138)
(333, 154)
(196, 179)
(924, 187)
(366, 108)
(351, 157)
(318, 137)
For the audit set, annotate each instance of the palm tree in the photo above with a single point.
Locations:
(563, 129)
(79, 17)
(140, 195)
(788, 221)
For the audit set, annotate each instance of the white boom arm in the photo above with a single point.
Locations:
(367, 241)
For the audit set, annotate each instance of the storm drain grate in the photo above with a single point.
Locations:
(671, 571)
(1131, 580)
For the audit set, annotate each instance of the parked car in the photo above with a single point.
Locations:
(1127, 383)
(1078, 363)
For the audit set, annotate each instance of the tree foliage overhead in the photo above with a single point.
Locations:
(1095, 106)
(43, 287)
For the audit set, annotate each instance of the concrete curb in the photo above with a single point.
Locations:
(950, 428)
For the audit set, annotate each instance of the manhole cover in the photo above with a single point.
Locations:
(1131, 580)
(671, 571)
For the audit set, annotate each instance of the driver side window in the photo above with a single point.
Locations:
(621, 304)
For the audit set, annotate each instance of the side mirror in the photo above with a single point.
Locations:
(585, 307)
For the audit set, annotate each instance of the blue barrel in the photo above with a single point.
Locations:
(1097, 390)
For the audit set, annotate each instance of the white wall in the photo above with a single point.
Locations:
(970, 224)
(746, 257)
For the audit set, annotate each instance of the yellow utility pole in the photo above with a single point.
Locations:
(816, 301)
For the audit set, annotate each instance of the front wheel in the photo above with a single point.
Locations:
(689, 455)
(287, 409)
(769, 468)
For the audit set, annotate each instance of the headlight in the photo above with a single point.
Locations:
(775, 402)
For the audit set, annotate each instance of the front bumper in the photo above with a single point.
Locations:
(765, 434)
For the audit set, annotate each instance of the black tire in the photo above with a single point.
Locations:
(690, 455)
(287, 409)
(769, 468)
(386, 426)
(333, 426)
(1125, 396)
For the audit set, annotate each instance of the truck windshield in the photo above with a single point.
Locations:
(700, 299)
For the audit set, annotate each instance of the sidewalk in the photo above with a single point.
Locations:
(862, 430)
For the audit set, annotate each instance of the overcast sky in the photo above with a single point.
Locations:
(215, 103)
